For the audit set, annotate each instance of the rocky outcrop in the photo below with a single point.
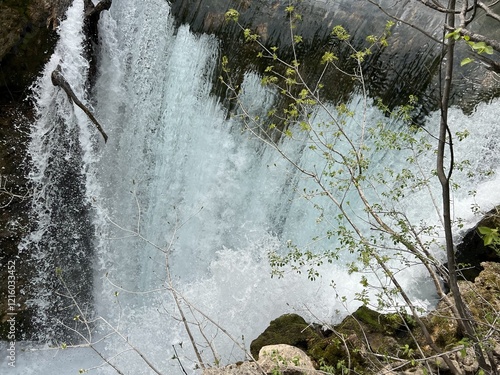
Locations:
(289, 329)
(27, 38)
(368, 342)
(471, 251)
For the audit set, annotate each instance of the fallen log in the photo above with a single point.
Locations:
(91, 17)
(59, 81)
(93, 10)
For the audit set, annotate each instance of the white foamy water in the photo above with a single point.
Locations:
(178, 181)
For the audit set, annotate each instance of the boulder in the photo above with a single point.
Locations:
(471, 251)
(290, 329)
(241, 368)
(286, 359)
(273, 359)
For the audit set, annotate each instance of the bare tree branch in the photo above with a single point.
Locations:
(59, 80)
(488, 10)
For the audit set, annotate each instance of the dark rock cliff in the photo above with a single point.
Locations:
(408, 66)
(27, 39)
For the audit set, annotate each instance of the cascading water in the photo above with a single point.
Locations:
(60, 148)
(177, 181)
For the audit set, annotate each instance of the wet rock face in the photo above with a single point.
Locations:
(400, 70)
(13, 208)
(408, 66)
(471, 251)
(27, 38)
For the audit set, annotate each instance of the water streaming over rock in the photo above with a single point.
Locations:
(177, 181)
(60, 148)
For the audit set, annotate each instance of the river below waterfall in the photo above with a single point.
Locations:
(179, 181)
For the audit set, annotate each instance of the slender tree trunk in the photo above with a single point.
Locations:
(444, 176)
(445, 142)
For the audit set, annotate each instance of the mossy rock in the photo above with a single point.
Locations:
(290, 329)
(442, 328)
(483, 297)
(360, 334)
(355, 337)
(333, 350)
(373, 321)
(387, 332)
(367, 340)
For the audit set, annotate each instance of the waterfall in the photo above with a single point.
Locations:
(60, 150)
(180, 182)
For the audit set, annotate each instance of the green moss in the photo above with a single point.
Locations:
(366, 340)
(387, 333)
(328, 351)
(350, 342)
(372, 321)
(290, 329)
(370, 317)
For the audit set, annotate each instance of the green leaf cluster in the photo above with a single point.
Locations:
(490, 236)
(477, 47)
(232, 15)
